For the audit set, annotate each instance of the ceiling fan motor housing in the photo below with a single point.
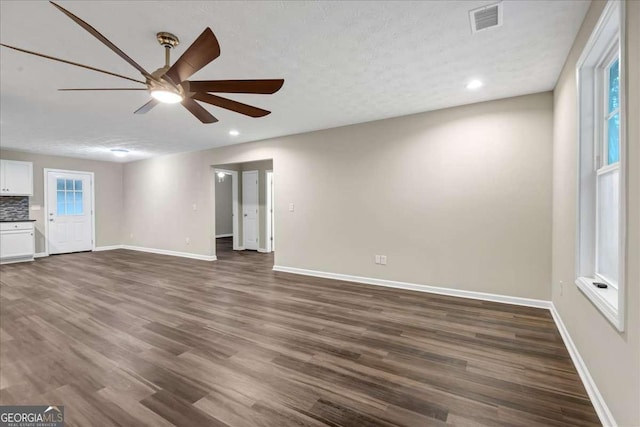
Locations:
(167, 39)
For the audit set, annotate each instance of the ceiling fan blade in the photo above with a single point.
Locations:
(202, 51)
(100, 88)
(228, 104)
(147, 107)
(71, 63)
(236, 86)
(103, 39)
(198, 110)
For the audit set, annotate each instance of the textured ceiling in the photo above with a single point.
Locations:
(343, 63)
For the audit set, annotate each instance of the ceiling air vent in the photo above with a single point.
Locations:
(486, 17)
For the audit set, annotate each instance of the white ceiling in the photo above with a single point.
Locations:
(343, 63)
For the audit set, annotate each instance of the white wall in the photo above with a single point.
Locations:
(613, 358)
(459, 198)
(108, 197)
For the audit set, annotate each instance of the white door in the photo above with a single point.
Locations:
(270, 228)
(69, 203)
(250, 209)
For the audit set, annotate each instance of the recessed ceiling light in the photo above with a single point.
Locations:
(119, 152)
(234, 132)
(474, 84)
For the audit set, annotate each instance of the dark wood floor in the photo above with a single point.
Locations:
(128, 338)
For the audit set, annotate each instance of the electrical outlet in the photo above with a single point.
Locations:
(187, 240)
(195, 207)
(131, 235)
(383, 259)
(291, 207)
(377, 259)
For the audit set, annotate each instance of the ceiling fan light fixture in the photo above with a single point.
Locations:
(166, 96)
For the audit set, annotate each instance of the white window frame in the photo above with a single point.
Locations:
(604, 46)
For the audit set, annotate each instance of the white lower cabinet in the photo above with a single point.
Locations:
(16, 242)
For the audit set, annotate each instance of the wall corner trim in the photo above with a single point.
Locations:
(418, 287)
(605, 415)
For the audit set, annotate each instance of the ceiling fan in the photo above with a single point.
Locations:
(169, 83)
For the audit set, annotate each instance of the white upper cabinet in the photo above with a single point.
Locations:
(16, 178)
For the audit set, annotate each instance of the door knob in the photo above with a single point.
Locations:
(51, 219)
(245, 215)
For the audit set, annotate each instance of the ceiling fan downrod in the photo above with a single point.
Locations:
(169, 41)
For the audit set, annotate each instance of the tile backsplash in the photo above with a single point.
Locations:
(14, 207)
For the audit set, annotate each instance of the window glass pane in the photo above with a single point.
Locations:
(607, 225)
(60, 184)
(613, 139)
(69, 202)
(78, 203)
(614, 84)
(69, 184)
(60, 202)
(78, 184)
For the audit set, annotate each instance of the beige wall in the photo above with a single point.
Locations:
(108, 197)
(613, 358)
(458, 198)
(224, 206)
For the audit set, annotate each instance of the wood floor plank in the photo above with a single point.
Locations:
(124, 338)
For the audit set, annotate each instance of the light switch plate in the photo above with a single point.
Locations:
(383, 259)
(377, 259)
(291, 207)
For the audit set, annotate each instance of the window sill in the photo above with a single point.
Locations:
(605, 300)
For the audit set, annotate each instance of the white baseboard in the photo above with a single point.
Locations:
(224, 235)
(171, 253)
(420, 288)
(605, 415)
(40, 255)
(107, 248)
(263, 251)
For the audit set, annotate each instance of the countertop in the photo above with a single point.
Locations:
(17, 220)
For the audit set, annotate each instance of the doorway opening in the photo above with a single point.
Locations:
(244, 209)
(227, 206)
